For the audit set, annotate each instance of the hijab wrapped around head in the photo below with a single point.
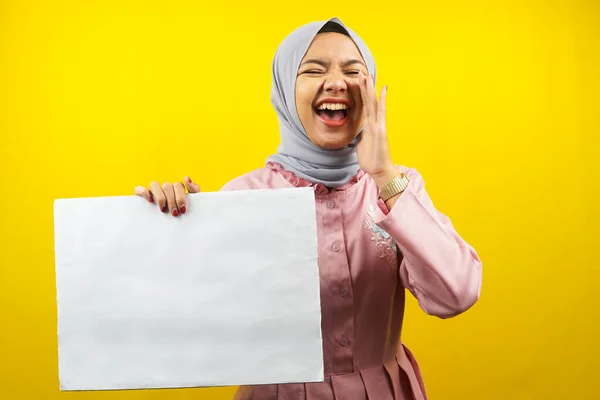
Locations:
(296, 153)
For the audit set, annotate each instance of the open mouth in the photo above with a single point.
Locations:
(332, 114)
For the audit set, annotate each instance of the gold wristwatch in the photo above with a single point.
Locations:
(394, 187)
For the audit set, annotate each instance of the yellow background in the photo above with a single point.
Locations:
(496, 103)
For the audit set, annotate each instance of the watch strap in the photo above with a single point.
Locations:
(394, 187)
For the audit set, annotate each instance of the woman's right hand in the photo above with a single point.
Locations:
(169, 197)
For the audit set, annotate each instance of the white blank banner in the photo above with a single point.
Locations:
(227, 294)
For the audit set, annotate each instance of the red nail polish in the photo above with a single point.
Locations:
(175, 212)
(182, 209)
(165, 209)
(151, 199)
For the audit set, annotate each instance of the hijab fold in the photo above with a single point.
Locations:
(296, 153)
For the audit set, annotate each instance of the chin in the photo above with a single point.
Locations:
(329, 141)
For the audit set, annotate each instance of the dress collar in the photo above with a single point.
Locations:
(319, 187)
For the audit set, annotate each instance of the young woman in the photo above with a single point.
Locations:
(378, 231)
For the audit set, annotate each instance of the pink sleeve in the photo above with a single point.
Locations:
(438, 267)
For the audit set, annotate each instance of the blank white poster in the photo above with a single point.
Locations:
(227, 294)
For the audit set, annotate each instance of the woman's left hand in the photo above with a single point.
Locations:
(373, 150)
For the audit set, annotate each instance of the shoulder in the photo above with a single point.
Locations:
(260, 178)
(407, 170)
(412, 173)
(416, 184)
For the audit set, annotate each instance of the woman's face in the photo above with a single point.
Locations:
(328, 97)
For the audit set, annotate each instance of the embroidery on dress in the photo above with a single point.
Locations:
(386, 246)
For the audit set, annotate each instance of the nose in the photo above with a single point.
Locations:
(335, 82)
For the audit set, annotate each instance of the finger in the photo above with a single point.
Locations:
(191, 186)
(363, 94)
(159, 196)
(372, 95)
(180, 197)
(169, 192)
(381, 112)
(145, 193)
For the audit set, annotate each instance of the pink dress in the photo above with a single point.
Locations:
(368, 256)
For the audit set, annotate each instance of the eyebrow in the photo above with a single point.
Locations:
(325, 64)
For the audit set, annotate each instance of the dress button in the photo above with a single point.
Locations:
(335, 247)
(330, 204)
(343, 292)
(344, 341)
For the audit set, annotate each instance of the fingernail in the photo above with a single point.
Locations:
(151, 199)
(188, 178)
(175, 212)
(165, 209)
(182, 209)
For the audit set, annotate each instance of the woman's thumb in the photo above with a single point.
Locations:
(191, 186)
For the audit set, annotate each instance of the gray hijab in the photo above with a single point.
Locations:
(296, 153)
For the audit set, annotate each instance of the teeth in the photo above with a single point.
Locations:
(333, 106)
